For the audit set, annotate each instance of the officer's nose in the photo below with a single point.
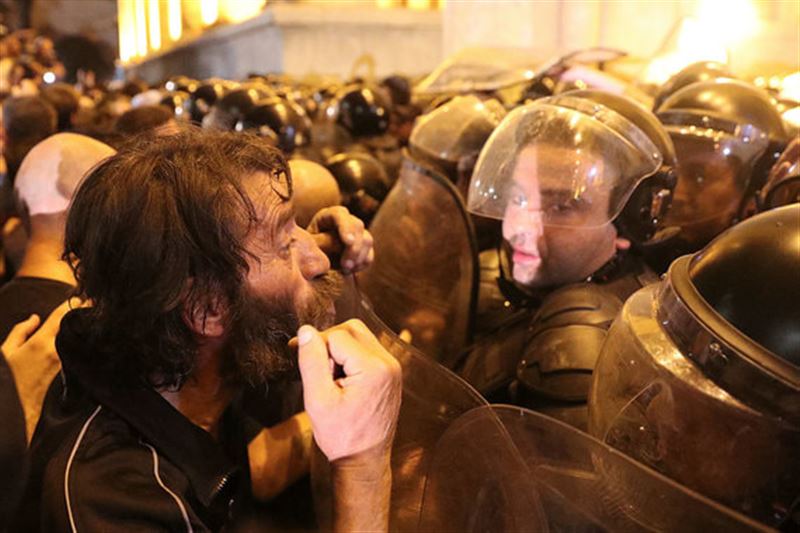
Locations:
(312, 261)
(523, 228)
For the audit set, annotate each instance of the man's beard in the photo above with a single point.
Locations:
(258, 350)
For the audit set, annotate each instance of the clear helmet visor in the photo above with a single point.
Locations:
(715, 163)
(461, 125)
(563, 160)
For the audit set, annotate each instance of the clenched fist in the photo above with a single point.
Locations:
(357, 412)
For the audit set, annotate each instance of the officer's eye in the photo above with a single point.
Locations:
(519, 200)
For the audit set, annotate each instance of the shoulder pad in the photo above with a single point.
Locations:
(565, 339)
(582, 303)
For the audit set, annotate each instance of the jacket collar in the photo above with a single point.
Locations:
(203, 460)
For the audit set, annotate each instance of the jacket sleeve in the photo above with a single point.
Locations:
(13, 445)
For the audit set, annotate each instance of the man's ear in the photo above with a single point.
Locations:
(206, 316)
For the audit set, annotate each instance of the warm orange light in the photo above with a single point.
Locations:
(790, 87)
(174, 22)
(387, 4)
(209, 11)
(154, 24)
(127, 30)
(707, 36)
(239, 10)
(140, 17)
(420, 5)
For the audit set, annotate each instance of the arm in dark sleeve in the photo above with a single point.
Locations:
(13, 445)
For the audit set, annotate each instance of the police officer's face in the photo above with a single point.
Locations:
(541, 225)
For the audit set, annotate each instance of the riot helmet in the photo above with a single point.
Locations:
(558, 172)
(362, 181)
(724, 132)
(181, 83)
(783, 182)
(454, 131)
(285, 121)
(176, 101)
(399, 89)
(201, 100)
(231, 108)
(742, 103)
(651, 200)
(694, 73)
(363, 111)
(133, 87)
(700, 375)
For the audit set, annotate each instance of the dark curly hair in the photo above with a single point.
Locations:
(159, 226)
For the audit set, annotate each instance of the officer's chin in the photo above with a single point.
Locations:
(526, 274)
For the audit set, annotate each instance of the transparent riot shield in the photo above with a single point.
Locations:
(423, 283)
(504, 468)
(652, 402)
(433, 397)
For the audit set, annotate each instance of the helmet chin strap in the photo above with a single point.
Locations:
(611, 268)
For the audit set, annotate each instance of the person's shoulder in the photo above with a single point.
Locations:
(23, 296)
(106, 477)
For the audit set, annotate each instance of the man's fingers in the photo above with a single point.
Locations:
(20, 333)
(348, 352)
(328, 243)
(312, 359)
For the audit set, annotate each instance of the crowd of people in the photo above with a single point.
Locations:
(172, 255)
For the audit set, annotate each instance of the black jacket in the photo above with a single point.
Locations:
(123, 459)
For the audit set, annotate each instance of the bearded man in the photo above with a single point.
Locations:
(198, 278)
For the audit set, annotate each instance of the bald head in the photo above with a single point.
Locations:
(53, 169)
(314, 188)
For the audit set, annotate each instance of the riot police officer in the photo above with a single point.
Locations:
(700, 375)
(559, 172)
(727, 134)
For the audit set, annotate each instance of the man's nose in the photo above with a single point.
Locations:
(312, 261)
(525, 227)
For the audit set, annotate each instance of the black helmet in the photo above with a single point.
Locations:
(364, 111)
(783, 183)
(456, 130)
(699, 377)
(732, 100)
(134, 87)
(284, 119)
(201, 100)
(696, 72)
(231, 108)
(176, 101)
(652, 198)
(767, 248)
(181, 83)
(399, 89)
(727, 134)
(362, 181)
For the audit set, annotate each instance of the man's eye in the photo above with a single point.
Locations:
(568, 204)
(287, 248)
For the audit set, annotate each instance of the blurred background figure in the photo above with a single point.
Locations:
(45, 183)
